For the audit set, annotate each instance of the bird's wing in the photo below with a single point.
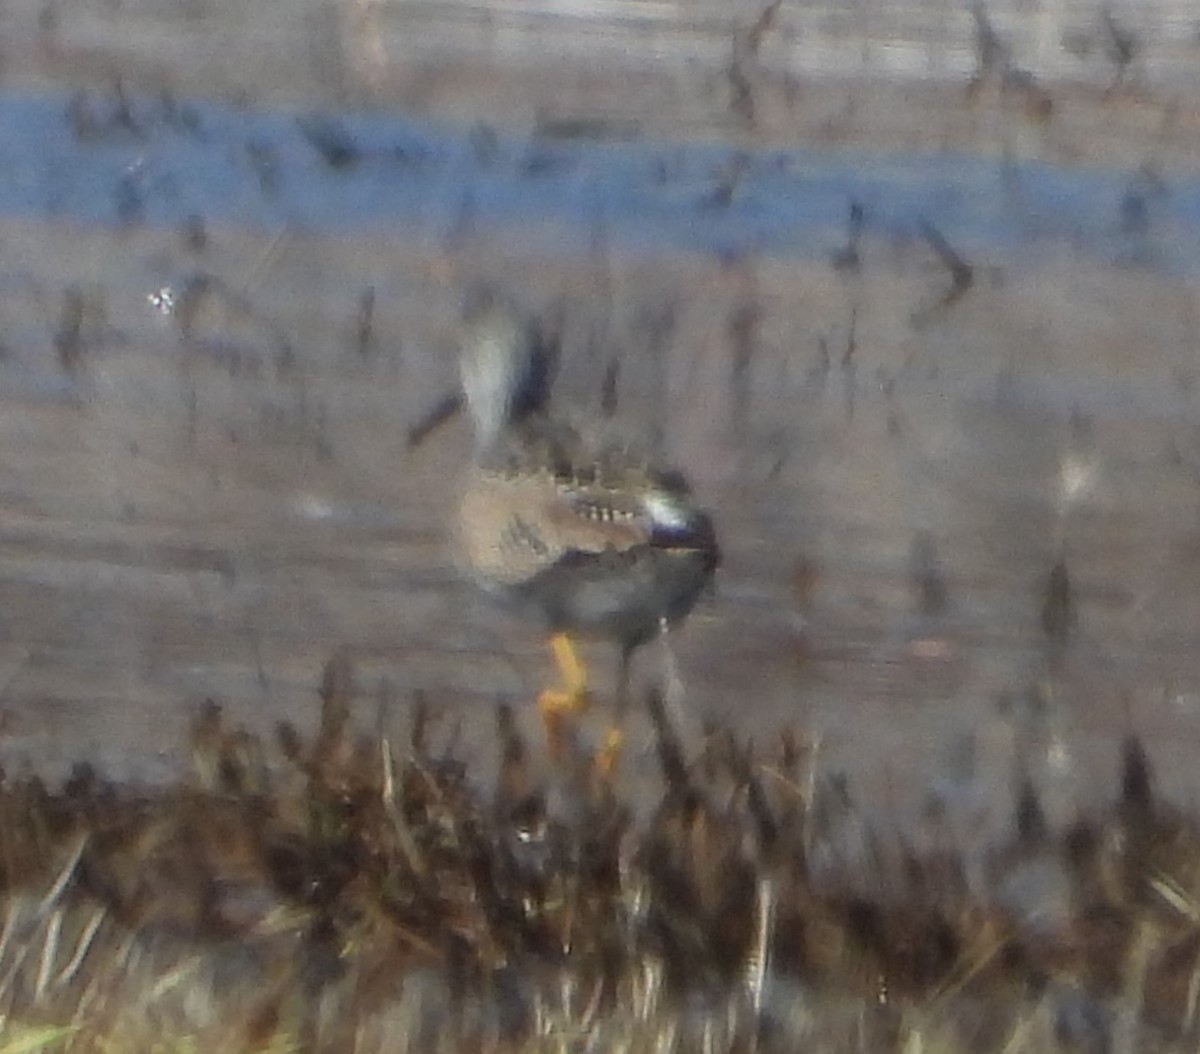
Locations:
(570, 491)
(593, 518)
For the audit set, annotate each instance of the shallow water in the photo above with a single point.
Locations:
(205, 501)
(120, 160)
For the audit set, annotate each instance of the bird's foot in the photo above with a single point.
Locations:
(558, 707)
(609, 755)
(559, 703)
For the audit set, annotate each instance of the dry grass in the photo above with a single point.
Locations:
(351, 895)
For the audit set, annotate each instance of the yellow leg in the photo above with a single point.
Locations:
(572, 697)
(609, 755)
(558, 704)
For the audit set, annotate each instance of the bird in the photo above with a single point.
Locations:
(563, 520)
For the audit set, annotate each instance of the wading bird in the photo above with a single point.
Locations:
(562, 523)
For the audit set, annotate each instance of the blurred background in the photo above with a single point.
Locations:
(907, 288)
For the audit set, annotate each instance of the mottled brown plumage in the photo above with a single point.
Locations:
(571, 527)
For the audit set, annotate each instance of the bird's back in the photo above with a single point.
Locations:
(590, 534)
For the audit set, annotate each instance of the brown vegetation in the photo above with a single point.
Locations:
(356, 894)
